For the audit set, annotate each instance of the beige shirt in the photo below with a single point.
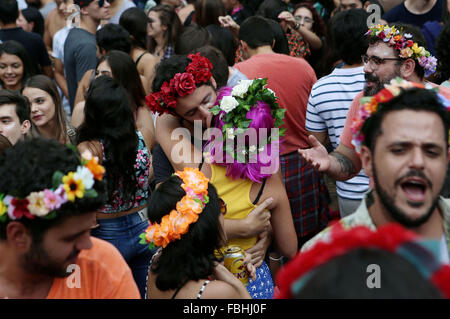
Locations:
(361, 217)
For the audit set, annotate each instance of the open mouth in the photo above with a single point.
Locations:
(415, 189)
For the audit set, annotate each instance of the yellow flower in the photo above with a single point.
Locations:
(416, 49)
(73, 187)
(3, 208)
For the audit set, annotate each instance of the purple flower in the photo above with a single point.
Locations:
(260, 116)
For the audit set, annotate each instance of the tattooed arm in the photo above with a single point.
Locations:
(341, 165)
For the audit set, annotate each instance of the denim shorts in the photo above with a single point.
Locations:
(123, 232)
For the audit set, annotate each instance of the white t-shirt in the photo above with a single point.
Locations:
(58, 43)
(328, 104)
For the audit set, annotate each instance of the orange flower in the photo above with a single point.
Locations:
(177, 222)
(96, 169)
(193, 179)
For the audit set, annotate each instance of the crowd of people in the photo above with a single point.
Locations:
(139, 141)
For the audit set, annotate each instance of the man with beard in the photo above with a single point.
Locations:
(402, 135)
(385, 59)
(48, 201)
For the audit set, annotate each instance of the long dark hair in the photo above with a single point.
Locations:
(108, 117)
(192, 256)
(169, 18)
(125, 72)
(134, 21)
(15, 48)
(46, 84)
(208, 12)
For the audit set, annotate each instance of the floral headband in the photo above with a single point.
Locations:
(407, 48)
(43, 204)
(248, 105)
(182, 84)
(371, 104)
(423, 254)
(177, 222)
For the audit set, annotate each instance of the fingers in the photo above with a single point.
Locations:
(261, 207)
(313, 141)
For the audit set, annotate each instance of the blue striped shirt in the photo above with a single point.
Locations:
(328, 104)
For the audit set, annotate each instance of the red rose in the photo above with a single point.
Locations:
(21, 208)
(183, 84)
(153, 102)
(200, 68)
(169, 101)
(165, 89)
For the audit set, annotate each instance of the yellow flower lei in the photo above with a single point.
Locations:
(177, 222)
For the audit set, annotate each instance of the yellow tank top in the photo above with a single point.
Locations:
(236, 194)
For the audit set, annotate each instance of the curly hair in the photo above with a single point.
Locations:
(108, 117)
(192, 256)
(35, 160)
(442, 51)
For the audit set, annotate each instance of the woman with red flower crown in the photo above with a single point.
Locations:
(257, 205)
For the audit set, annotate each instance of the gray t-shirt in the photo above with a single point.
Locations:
(80, 55)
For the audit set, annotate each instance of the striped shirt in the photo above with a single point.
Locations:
(328, 104)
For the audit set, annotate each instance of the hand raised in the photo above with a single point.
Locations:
(317, 155)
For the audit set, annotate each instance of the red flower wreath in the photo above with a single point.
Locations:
(182, 84)
(389, 238)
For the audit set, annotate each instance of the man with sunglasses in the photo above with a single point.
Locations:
(383, 61)
(80, 50)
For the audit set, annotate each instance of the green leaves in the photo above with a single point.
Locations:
(90, 193)
(57, 179)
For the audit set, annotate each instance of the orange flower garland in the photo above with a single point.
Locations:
(177, 222)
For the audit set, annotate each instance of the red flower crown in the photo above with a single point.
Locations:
(389, 237)
(182, 84)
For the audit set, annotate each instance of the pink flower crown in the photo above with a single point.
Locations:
(371, 104)
(407, 48)
(65, 188)
(177, 222)
(182, 84)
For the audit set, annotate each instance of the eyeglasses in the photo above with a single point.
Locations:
(101, 3)
(377, 61)
(306, 19)
(223, 206)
